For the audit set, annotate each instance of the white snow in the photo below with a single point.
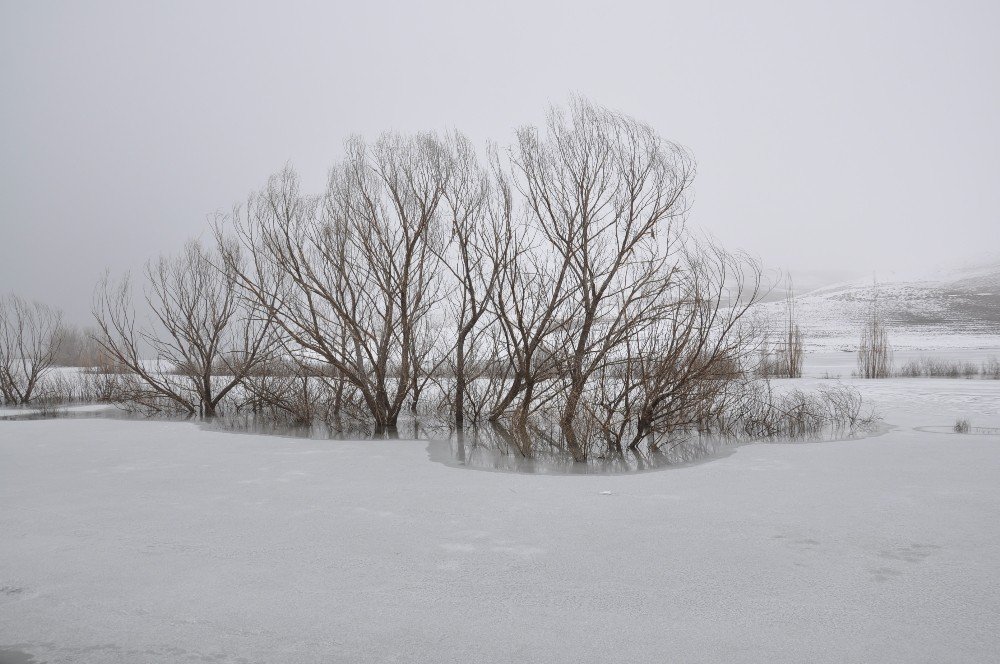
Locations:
(939, 308)
(164, 542)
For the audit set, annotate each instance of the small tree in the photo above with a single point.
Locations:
(874, 352)
(201, 341)
(30, 336)
(792, 350)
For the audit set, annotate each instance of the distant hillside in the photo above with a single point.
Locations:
(956, 307)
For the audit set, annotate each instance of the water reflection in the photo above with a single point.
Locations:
(495, 447)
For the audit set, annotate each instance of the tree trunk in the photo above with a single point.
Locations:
(566, 422)
(460, 382)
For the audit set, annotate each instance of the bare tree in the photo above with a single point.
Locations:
(479, 206)
(696, 354)
(530, 304)
(351, 278)
(608, 195)
(793, 343)
(200, 342)
(874, 351)
(30, 337)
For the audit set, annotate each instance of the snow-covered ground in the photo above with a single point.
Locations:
(135, 542)
(842, 364)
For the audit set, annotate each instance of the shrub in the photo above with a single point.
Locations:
(935, 368)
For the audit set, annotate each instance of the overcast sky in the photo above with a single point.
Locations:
(831, 137)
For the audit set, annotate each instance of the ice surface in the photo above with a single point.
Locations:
(164, 542)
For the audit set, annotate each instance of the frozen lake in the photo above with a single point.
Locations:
(154, 541)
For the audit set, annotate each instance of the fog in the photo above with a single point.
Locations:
(832, 138)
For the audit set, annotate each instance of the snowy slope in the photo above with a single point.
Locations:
(947, 307)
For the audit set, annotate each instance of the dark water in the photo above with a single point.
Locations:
(12, 655)
(484, 447)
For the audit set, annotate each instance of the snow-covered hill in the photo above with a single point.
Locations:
(940, 308)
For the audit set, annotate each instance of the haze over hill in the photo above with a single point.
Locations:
(947, 306)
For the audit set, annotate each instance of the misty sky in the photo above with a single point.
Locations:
(831, 137)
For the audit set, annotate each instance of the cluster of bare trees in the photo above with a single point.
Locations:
(34, 341)
(783, 359)
(874, 351)
(551, 282)
(551, 290)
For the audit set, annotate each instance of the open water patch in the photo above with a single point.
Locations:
(485, 447)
